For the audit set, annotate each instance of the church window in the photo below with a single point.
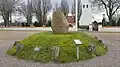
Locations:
(86, 6)
(83, 6)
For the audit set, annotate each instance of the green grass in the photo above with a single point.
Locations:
(67, 46)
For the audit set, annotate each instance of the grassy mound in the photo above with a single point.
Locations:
(67, 46)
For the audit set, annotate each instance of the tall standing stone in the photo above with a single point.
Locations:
(59, 23)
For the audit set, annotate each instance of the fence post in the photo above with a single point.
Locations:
(90, 27)
(99, 27)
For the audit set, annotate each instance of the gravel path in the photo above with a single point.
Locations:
(111, 59)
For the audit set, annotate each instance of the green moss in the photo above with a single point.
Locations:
(67, 46)
(12, 51)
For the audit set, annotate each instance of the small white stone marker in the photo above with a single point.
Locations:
(36, 49)
(104, 46)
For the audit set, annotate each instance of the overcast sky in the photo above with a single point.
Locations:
(59, 1)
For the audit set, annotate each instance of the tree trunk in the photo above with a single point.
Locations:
(110, 14)
(110, 20)
(44, 19)
(5, 22)
(10, 17)
(6, 19)
(29, 21)
(39, 19)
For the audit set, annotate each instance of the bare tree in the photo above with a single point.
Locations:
(37, 7)
(27, 10)
(41, 8)
(46, 6)
(79, 9)
(6, 9)
(111, 7)
(57, 7)
(64, 7)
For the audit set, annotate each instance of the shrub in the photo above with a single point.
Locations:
(23, 24)
(104, 23)
(109, 24)
(113, 23)
(36, 24)
(27, 25)
(49, 23)
(118, 22)
(84, 27)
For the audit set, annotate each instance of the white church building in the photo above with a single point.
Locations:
(90, 13)
(86, 17)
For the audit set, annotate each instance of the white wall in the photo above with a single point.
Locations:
(108, 29)
(32, 29)
(1, 19)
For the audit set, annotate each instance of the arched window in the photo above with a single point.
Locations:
(86, 6)
(83, 6)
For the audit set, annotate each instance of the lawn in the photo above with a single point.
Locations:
(46, 40)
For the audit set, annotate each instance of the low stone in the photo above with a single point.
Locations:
(19, 47)
(15, 43)
(91, 48)
(36, 49)
(100, 41)
(105, 46)
(96, 38)
(55, 52)
(93, 55)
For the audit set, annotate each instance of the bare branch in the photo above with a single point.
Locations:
(111, 7)
(6, 9)
(103, 3)
(116, 10)
(64, 7)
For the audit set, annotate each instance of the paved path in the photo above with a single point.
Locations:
(111, 59)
